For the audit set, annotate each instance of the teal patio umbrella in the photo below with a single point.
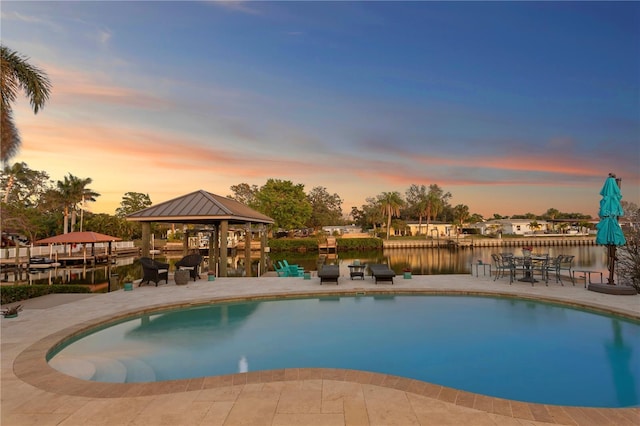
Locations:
(609, 231)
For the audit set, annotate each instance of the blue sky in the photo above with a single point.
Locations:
(513, 107)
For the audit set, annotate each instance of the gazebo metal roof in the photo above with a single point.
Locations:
(200, 207)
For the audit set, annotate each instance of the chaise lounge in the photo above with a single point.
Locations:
(329, 273)
(381, 272)
(155, 271)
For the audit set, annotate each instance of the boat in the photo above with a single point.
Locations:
(42, 263)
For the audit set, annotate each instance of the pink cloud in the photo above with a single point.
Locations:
(71, 87)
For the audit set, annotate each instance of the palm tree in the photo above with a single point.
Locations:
(79, 195)
(534, 225)
(73, 190)
(390, 204)
(461, 214)
(16, 73)
(416, 198)
(15, 172)
(66, 198)
(436, 201)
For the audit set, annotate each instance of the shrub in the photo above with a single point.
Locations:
(16, 293)
(293, 244)
(350, 244)
(628, 264)
(311, 244)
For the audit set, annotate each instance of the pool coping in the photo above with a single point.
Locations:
(31, 365)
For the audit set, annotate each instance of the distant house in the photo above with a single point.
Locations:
(435, 229)
(342, 229)
(511, 226)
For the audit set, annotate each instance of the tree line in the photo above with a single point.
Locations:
(37, 207)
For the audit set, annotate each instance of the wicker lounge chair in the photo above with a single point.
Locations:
(190, 262)
(155, 271)
(381, 272)
(329, 273)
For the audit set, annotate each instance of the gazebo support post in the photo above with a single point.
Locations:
(247, 250)
(216, 250)
(146, 239)
(224, 231)
(185, 241)
(263, 245)
(212, 252)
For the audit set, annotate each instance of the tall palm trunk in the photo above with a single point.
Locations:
(8, 189)
(65, 226)
(388, 222)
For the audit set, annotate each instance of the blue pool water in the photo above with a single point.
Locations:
(502, 347)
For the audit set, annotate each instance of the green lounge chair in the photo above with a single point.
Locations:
(281, 270)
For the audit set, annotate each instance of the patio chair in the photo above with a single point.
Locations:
(155, 271)
(280, 269)
(565, 264)
(190, 262)
(294, 270)
(540, 265)
(502, 264)
(553, 266)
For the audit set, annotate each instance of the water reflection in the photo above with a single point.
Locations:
(434, 261)
(620, 357)
(243, 365)
(422, 261)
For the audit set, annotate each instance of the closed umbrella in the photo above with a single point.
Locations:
(609, 231)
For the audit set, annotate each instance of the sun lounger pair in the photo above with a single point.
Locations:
(329, 273)
(381, 272)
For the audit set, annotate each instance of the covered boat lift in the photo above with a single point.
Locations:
(71, 239)
(204, 208)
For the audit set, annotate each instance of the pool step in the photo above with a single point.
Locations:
(109, 370)
(138, 371)
(105, 369)
(74, 367)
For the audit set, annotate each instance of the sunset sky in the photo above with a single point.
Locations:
(513, 107)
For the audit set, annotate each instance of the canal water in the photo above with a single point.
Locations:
(422, 261)
(437, 261)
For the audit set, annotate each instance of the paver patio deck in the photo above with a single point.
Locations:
(35, 394)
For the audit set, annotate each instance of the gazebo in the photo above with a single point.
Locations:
(217, 214)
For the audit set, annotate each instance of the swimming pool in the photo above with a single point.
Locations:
(510, 348)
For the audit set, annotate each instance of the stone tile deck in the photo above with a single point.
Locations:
(35, 394)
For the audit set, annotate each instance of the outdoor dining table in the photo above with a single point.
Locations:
(527, 263)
